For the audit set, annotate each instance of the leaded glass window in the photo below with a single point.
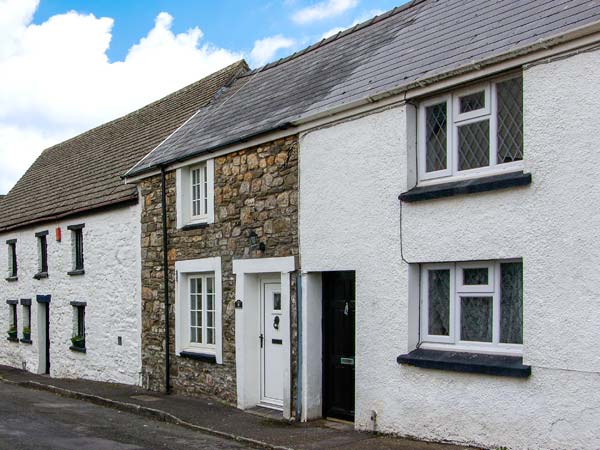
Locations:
(473, 305)
(477, 129)
(437, 137)
(439, 302)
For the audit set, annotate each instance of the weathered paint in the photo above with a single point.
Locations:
(351, 175)
(110, 286)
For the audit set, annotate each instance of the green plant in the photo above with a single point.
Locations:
(78, 341)
(26, 330)
(12, 332)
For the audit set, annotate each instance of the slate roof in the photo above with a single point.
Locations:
(417, 41)
(85, 172)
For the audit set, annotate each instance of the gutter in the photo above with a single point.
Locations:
(165, 249)
(517, 57)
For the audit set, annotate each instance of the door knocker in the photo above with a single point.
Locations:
(276, 323)
(346, 309)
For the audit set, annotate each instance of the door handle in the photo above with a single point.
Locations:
(262, 338)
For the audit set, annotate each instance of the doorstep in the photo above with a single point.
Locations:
(209, 415)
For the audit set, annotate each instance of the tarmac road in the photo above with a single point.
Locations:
(38, 420)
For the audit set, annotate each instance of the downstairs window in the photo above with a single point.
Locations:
(474, 306)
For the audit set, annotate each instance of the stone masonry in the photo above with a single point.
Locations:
(256, 189)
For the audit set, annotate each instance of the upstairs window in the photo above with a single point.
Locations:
(195, 194)
(472, 131)
(77, 249)
(475, 306)
(12, 259)
(42, 241)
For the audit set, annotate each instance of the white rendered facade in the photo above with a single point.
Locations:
(110, 289)
(351, 219)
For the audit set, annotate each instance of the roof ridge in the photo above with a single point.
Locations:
(242, 63)
(340, 34)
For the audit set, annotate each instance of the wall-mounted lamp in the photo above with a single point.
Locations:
(254, 244)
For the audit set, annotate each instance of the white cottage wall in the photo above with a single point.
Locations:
(351, 175)
(110, 286)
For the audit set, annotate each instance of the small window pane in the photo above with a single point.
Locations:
(210, 319)
(510, 120)
(439, 302)
(194, 335)
(475, 277)
(474, 145)
(476, 319)
(436, 137)
(472, 102)
(511, 303)
(277, 301)
(210, 336)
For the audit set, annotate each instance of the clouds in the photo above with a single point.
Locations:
(56, 79)
(265, 49)
(323, 10)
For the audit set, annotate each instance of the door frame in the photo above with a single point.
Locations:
(43, 326)
(328, 334)
(263, 282)
(247, 345)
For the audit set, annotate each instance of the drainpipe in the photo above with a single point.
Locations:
(299, 347)
(165, 249)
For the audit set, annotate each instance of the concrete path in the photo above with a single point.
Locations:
(208, 415)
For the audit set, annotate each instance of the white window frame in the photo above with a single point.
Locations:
(203, 328)
(453, 122)
(185, 271)
(453, 342)
(184, 203)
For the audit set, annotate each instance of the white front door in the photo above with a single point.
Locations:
(271, 341)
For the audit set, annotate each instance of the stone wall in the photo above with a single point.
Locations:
(256, 189)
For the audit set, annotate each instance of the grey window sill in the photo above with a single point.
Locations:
(12, 339)
(199, 356)
(75, 273)
(40, 275)
(194, 226)
(26, 341)
(462, 187)
(500, 365)
(11, 279)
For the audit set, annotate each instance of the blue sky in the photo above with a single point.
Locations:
(231, 24)
(71, 65)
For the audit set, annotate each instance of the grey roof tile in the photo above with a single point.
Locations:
(423, 39)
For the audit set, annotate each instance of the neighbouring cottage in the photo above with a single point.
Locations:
(445, 224)
(70, 244)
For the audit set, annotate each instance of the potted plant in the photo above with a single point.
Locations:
(26, 333)
(12, 332)
(78, 341)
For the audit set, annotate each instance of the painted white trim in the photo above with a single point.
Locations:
(183, 270)
(264, 265)
(312, 346)
(247, 327)
(183, 203)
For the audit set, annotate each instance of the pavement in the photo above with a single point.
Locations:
(209, 416)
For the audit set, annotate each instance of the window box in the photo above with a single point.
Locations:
(195, 195)
(501, 365)
(475, 131)
(78, 341)
(12, 335)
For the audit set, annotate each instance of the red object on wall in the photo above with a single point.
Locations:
(58, 234)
